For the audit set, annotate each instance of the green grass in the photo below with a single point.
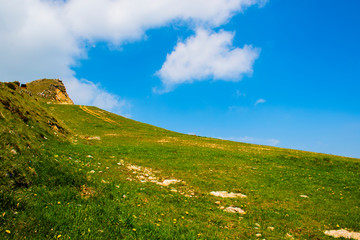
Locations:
(58, 194)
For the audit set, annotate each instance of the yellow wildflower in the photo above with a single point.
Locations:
(134, 229)
(7, 231)
(59, 236)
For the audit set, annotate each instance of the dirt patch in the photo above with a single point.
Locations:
(343, 233)
(90, 137)
(261, 148)
(225, 194)
(87, 192)
(189, 142)
(163, 141)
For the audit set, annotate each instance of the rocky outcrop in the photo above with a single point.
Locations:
(52, 89)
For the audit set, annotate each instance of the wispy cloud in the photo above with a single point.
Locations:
(239, 94)
(207, 55)
(260, 101)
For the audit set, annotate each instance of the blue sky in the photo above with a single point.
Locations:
(285, 73)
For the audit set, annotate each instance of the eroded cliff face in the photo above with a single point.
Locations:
(52, 89)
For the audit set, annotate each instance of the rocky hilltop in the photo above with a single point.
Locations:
(52, 89)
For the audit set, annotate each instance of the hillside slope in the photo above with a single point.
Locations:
(98, 175)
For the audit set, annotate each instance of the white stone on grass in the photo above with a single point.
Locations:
(343, 233)
(225, 194)
(232, 209)
(167, 182)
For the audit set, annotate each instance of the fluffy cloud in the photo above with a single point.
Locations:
(207, 55)
(123, 20)
(45, 38)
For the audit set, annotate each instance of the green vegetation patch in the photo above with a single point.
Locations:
(97, 175)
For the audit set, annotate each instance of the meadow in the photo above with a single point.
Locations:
(79, 172)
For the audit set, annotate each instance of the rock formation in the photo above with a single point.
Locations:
(52, 89)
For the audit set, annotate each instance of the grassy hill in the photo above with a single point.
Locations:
(78, 172)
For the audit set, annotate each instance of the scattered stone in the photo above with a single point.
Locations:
(288, 236)
(232, 209)
(13, 151)
(343, 233)
(90, 137)
(217, 202)
(89, 156)
(92, 171)
(167, 182)
(94, 138)
(225, 194)
(304, 196)
(256, 224)
(258, 235)
(144, 174)
(133, 167)
(271, 228)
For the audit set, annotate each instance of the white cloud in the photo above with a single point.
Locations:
(260, 101)
(84, 92)
(260, 141)
(207, 55)
(45, 38)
